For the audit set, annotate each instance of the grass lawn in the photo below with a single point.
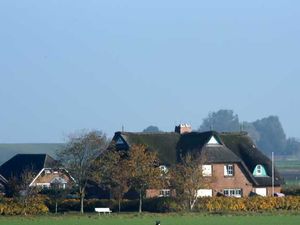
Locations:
(149, 219)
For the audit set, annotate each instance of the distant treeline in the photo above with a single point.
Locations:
(267, 133)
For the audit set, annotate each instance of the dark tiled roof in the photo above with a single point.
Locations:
(15, 166)
(234, 148)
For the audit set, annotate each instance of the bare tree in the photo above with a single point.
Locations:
(79, 158)
(25, 193)
(187, 178)
(56, 194)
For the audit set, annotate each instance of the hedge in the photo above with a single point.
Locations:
(223, 204)
(35, 206)
(211, 204)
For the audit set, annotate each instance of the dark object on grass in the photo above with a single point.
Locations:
(157, 223)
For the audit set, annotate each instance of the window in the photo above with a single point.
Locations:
(119, 141)
(228, 170)
(213, 141)
(233, 192)
(258, 169)
(163, 169)
(204, 193)
(164, 193)
(206, 170)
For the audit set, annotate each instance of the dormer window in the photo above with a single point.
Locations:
(213, 141)
(260, 171)
(119, 141)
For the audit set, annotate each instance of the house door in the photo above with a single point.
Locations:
(261, 191)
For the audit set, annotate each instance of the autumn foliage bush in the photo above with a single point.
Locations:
(253, 204)
(36, 205)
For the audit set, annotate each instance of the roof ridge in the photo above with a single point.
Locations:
(146, 133)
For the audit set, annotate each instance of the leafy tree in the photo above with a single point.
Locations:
(79, 156)
(114, 173)
(143, 169)
(187, 179)
(251, 130)
(267, 133)
(151, 129)
(292, 146)
(221, 121)
(272, 136)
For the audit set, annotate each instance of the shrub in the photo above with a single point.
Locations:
(226, 204)
(292, 190)
(35, 206)
(161, 205)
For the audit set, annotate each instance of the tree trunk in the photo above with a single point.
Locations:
(81, 204)
(140, 205)
(119, 204)
(81, 200)
(55, 207)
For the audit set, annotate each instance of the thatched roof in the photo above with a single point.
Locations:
(233, 148)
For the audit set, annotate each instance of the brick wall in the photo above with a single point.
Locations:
(238, 180)
(218, 182)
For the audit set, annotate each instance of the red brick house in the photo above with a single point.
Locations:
(237, 167)
(45, 170)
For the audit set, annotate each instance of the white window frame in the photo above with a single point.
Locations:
(259, 169)
(207, 170)
(164, 169)
(205, 193)
(229, 170)
(164, 193)
(233, 192)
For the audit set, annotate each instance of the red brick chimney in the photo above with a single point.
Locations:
(183, 128)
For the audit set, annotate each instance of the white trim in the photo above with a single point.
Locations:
(233, 192)
(229, 170)
(3, 178)
(164, 193)
(68, 174)
(31, 184)
(213, 141)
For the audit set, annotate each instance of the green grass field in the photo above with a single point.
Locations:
(149, 219)
(290, 170)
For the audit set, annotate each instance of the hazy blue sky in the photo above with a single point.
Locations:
(68, 65)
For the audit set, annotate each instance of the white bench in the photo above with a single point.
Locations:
(102, 210)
